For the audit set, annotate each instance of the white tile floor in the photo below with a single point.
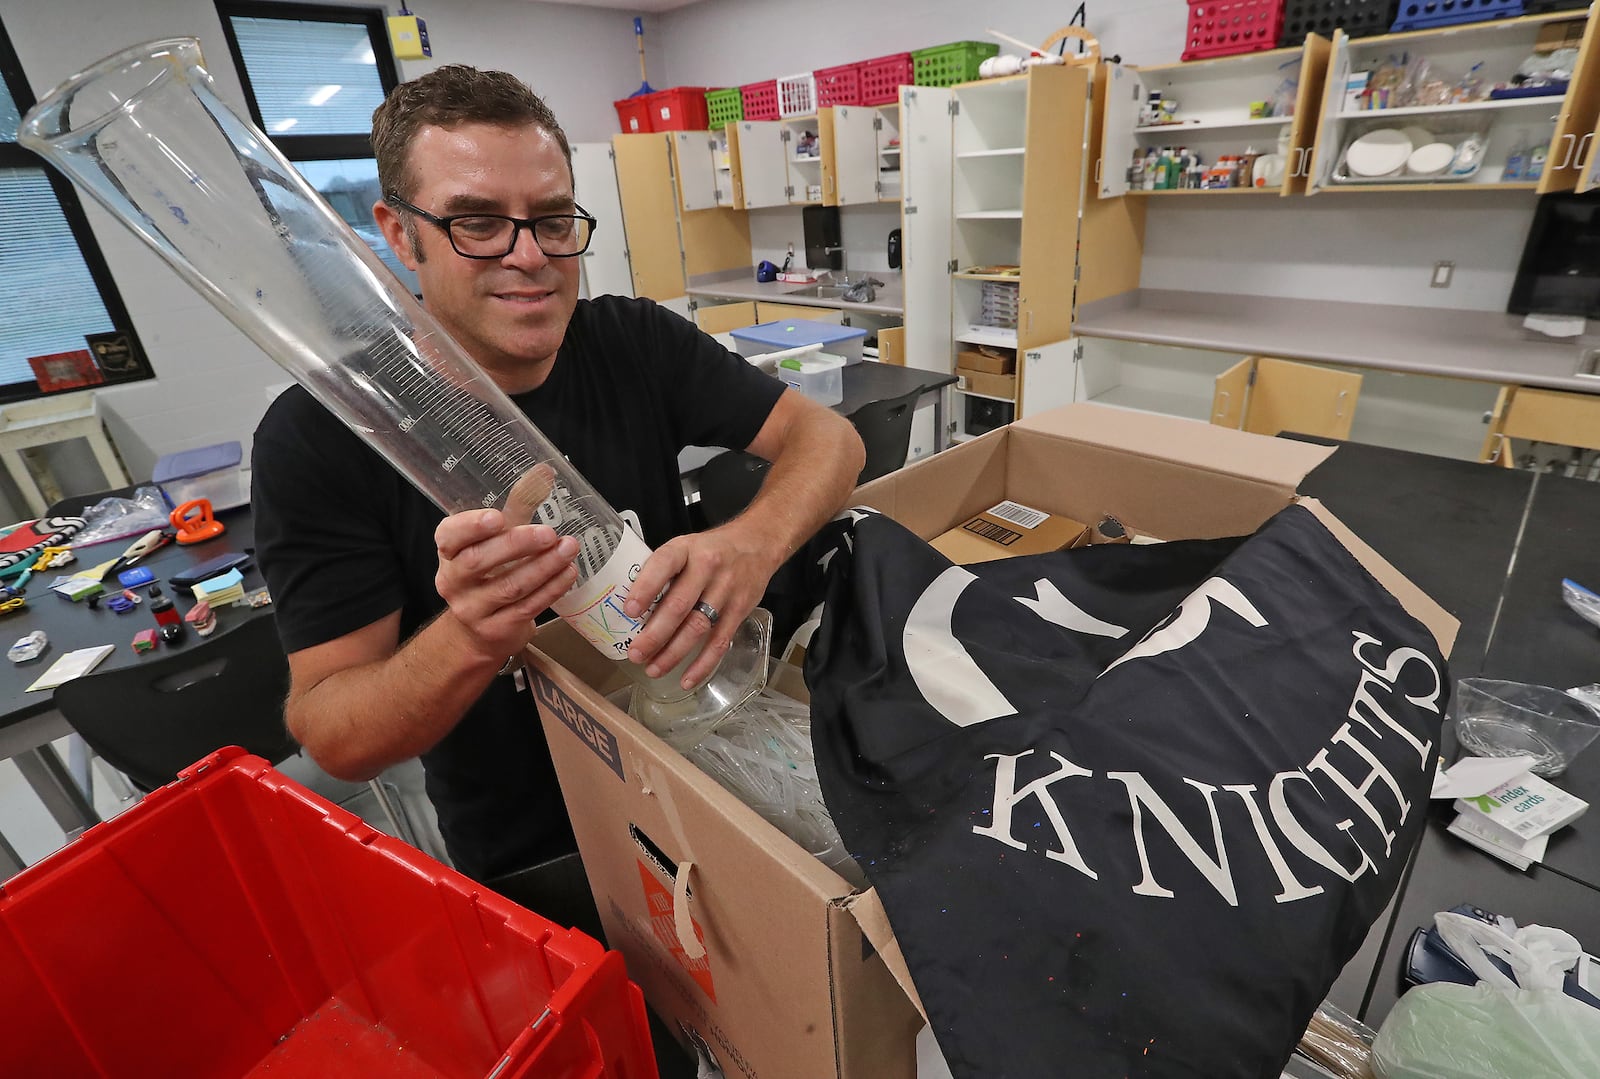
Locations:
(34, 835)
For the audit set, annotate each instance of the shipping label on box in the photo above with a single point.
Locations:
(1006, 530)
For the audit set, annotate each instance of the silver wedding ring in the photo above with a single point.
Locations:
(709, 611)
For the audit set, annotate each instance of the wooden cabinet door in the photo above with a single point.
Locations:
(695, 155)
(1589, 177)
(730, 178)
(779, 312)
(1228, 400)
(594, 177)
(926, 225)
(1289, 396)
(763, 167)
(1052, 192)
(1111, 244)
(650, 214)
(1124, 96)
(1575, 128)
(1303, 132)
(1325, 147)
(850, 156)
(722, 317)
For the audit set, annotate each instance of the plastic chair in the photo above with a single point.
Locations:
(153, 719)
(728, 483)
(885, 429)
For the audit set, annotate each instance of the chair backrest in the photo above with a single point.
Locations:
(728, 483)
(885, 429)
(150, 720)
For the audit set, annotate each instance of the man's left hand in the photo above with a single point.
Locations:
(726, 569)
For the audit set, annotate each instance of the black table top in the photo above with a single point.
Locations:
(76, 625)
(866, 382)
(1491, 546)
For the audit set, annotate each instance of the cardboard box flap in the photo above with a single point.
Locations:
(1441, 623)
(874, 922)
(1281, 462)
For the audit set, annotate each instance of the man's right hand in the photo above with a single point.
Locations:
(496, 577)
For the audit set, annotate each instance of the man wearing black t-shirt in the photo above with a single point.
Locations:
(397, 619)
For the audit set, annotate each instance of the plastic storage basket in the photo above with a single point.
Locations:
(682, 108)
(1427, 14)
(1230, 27)
(946, 65)
(760, 100)
(724, 107)
(1357, 18)
(797, 95)
(235, 924)
(881, 78)
(633, 113)
(210, 472)
(838, 85)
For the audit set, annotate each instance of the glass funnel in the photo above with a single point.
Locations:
(145, 133)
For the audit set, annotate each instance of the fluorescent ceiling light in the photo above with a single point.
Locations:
(285, 124)
(324, 93)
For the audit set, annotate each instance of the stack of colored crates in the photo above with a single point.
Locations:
(946, 65)
(1231, 27)
(235, 924)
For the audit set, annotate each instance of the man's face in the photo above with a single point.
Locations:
(510, 313)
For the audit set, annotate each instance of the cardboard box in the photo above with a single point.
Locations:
(972, 360)
(1559, 35)
(986, 384)
(787, 986)
(1007, 530)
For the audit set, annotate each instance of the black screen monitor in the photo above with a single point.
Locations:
(1560, 269)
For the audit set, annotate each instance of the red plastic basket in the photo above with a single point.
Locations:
(1229, 27)
(882, 78)
(682, 108)
(235, 924)
(634, 114)
(760, 100)
(838, 85)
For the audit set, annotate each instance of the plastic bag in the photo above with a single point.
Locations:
(1501, 1026)
(1338, 1043)
(119, 518)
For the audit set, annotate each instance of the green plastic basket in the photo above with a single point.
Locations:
(724, 107)
(946, 65)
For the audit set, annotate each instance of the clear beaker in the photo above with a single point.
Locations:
(145, 133)
(1496, 718)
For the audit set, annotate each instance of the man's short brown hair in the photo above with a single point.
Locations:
(448, 97)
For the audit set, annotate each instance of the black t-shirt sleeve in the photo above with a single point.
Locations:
(322, 526)
(713, 397)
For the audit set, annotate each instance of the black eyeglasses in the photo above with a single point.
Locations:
(494, 236)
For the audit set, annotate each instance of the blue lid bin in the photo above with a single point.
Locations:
(844, 341)
(209, 472)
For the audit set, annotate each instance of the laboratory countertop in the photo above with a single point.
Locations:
(1486, 346)
(742, 285)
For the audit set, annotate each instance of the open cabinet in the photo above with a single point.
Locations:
(604, 267)
(1211, 122)
(1265, 396)
(993, 182)
(1555, 130)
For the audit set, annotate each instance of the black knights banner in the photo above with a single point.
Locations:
(1129, 809)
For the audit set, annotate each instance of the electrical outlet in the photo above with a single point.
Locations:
(1442, 273)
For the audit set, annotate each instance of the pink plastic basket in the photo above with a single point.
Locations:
(1229, 27)
(882, 78)
(760, 100)
(838, 85)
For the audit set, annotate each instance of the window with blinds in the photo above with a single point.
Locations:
(55, 289)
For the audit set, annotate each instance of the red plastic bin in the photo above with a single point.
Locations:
(881, 78)
(634, 114)
(682, 108)
(838, 85)
(760, 100)
(235, 924)
(1229, 27)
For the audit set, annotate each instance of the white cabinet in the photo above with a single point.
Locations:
(697, 154)
(849, 155)
(604, 267)
(763, 164)
(925, 225)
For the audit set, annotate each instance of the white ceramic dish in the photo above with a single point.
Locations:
(1430, 159)
(1378, 153)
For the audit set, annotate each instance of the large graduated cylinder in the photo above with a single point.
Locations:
(145, 133)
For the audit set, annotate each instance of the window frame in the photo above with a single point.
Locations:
(14, 155)
(311, 147)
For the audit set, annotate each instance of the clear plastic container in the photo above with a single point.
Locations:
(819, 376)
(1505, 719)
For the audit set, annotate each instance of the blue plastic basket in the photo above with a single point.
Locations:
(1428, 14)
